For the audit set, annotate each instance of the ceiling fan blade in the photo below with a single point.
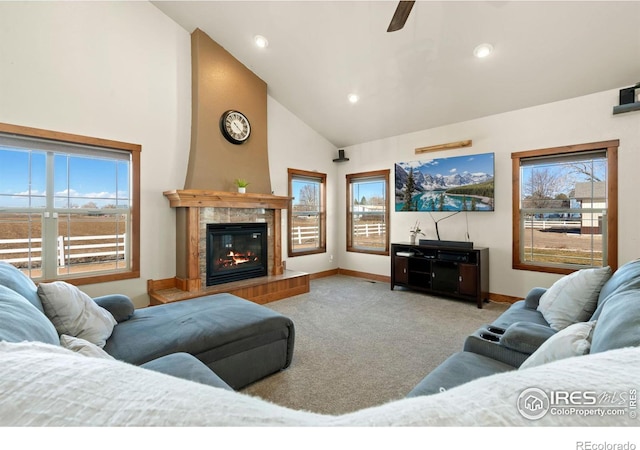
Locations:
(400, 16)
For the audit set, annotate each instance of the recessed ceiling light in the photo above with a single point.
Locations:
(483, 50)
(261, 41)
(353, 98)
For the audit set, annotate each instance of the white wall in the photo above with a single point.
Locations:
(580, 120)
(112, 70)
(122, 71)
(292, 144)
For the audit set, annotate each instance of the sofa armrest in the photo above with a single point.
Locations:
(532, 300)
(526, 337)
(120, 306)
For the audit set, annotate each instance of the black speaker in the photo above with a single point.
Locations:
(438, 243)
(627, 95)
(341, 157)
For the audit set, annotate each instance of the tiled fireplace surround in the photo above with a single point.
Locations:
(194, 210)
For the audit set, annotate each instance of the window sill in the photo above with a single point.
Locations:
(369, 252)
(307, 252)
(545, 269)
(94, 279)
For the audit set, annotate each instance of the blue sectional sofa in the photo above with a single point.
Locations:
(521, 330)
(221, 340)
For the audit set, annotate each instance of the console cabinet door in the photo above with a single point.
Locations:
(468, 279)
(444, 276)
(401, 272)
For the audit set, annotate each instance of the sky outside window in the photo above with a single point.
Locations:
(79, 182)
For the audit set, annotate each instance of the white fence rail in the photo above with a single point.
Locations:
(11, 251)
(546, 224)
(369, 229)
(303, 234)
(66, 251)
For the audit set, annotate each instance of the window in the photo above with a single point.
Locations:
(565, 210)
(307, 219)
(368, 212)
(69, 205)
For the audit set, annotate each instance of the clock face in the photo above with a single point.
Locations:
(235, 127)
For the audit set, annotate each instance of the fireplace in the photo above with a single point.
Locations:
(195, 211)
(235, 251)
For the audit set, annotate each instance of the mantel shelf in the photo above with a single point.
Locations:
(197, 198)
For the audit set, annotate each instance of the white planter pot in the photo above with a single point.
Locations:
(242, 190)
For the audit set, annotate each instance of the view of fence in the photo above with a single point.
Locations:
(547, 224)
(77, 248)
(301, 235)
(369, 229)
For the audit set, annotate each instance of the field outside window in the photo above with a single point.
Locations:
(67, 208)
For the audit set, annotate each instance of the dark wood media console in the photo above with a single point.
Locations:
(442, 270)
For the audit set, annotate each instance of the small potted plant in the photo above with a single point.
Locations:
(415, 231)
(242, 185)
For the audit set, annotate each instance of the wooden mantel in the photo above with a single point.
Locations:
(219, 199)
(188, 283)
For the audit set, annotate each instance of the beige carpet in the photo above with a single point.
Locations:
(360, 344)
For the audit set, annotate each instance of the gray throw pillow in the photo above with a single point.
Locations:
(83, 347)
(74, 313)
(575, 340)
(573, 298)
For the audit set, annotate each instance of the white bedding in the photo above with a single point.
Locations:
(45, 385)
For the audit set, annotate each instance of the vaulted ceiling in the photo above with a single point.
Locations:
(424, 75)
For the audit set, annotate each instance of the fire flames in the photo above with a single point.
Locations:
(235, 259)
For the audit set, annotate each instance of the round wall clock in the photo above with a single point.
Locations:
(235, 126)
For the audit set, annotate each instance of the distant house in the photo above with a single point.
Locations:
(591, 196)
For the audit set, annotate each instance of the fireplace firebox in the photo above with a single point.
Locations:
(236, 251)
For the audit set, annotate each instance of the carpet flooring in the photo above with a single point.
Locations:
(360, 344)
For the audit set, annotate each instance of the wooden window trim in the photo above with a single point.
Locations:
(322, 177)
(134, 150)
(349, 238)
(611, 148)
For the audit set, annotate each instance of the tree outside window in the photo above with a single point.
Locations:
(307, 221)
(564, 216)
(368, 217)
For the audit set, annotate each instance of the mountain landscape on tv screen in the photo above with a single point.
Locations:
(464, 183)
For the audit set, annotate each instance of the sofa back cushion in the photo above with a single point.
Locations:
(14, 279)
(21, 321)
(618, 324)
(626, 277)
